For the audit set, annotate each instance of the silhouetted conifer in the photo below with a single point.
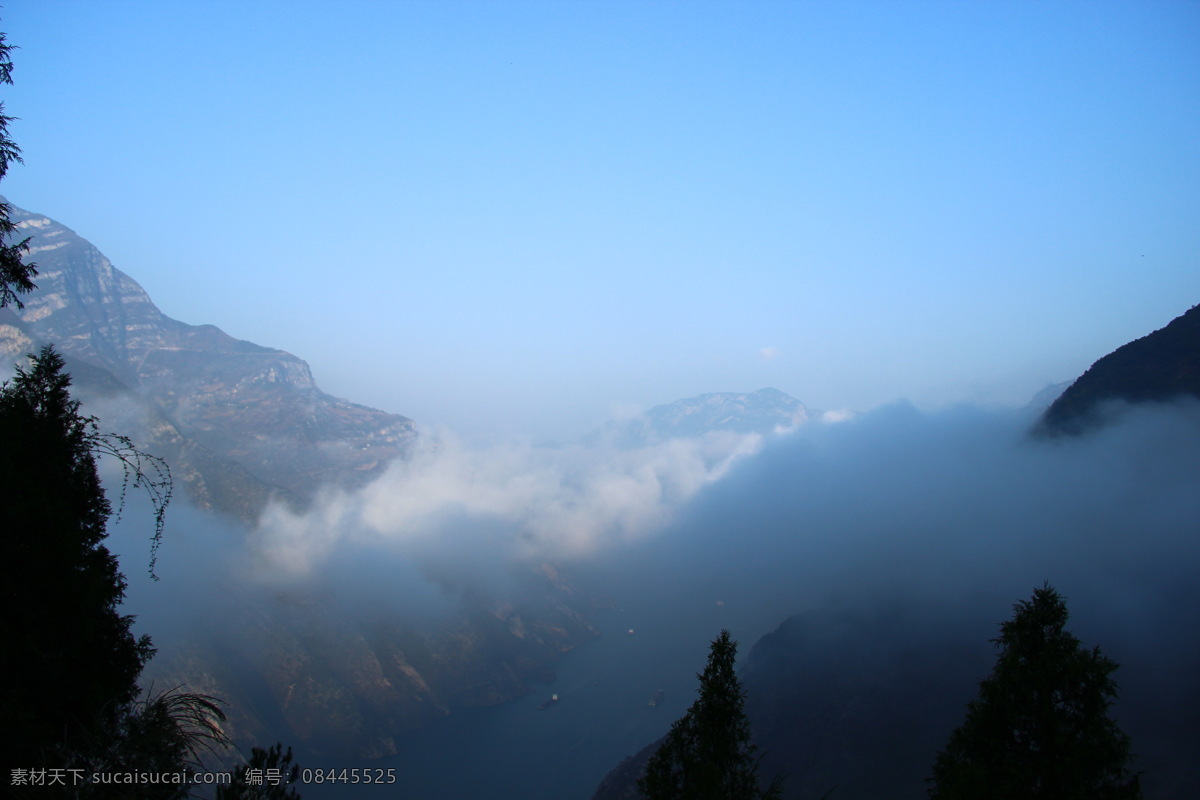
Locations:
(70, 660)
(1039, 729)
(16, 277)
(708, 754)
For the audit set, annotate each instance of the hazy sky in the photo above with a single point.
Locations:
(524, 217)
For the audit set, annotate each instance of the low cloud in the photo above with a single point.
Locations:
(895, 500)
(518, 501)
(945, 518)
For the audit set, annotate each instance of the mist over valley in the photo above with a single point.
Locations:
(607, 401)
(419, 613)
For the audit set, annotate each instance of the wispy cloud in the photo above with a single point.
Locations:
(562, 503)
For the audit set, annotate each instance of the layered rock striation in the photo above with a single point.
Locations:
(214, 405)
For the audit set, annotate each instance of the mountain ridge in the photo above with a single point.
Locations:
(1159, 367)
(764, 411)
(201, 389)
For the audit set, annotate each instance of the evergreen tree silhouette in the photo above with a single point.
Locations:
(708, 754)
(70, 660)
(16, 277)
(1040, 727)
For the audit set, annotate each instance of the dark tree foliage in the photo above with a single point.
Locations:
(708, 754)
(164, 734)
(1040, 726)
(15, 276)
(268, 775)
(70, 660)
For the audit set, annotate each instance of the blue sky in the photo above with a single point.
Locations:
(521, 218)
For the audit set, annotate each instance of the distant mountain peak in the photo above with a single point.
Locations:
(763, 412)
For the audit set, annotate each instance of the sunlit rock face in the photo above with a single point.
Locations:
(201, 390)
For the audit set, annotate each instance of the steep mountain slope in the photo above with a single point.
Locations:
(1159, 367)
(210, 399)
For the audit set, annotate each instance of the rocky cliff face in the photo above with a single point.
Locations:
(211, 401)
